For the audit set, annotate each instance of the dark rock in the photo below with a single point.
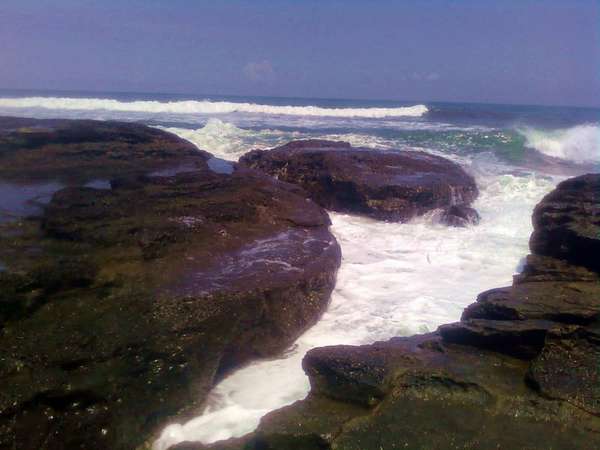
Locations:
(347, 372)
(567, 222)
(389, 185)
(543, 268)
(559, 301)
(518, 338)
(520, 370)
(438, 396)
(453, 400)
(568, 368)
(122, 307)
(460, 216)
(273, 441)
(77, 151)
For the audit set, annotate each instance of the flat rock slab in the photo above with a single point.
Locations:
(388, 185)
(539, 268)
(518, 338)
(560, 301)
(121, 306)
(40, 157)
(78, 151)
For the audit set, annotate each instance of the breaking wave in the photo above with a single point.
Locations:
(205, 107)
(226, 141)
(580, 144)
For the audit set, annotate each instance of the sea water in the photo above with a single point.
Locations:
(395, 279)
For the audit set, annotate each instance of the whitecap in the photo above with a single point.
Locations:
(579, 144)
(205, 107)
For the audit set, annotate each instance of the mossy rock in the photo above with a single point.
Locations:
(120, 308)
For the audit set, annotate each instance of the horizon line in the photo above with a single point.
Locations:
(97, 91)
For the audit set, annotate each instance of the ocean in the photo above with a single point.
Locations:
(395, 279)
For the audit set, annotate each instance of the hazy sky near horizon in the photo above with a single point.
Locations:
(521, 51)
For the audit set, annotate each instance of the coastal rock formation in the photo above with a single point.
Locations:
(122, 305)
(567, 223)
(78, 151)
(384, 185)
(520, 370)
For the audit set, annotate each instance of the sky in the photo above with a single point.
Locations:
(521, 51)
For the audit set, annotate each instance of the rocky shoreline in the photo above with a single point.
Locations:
(122, 305)
(520, 370)
(136, 271)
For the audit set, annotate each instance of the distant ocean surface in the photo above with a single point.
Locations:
(508, 132)
(395, 279)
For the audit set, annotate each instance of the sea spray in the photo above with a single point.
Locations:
(579, 144)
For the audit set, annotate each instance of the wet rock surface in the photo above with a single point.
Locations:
(567, 222)
(40, 157)
(120, 308)
(460, 216)
(385, 185)
(78, 151)
(520, 370)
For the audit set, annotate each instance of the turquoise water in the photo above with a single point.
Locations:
(515, 134)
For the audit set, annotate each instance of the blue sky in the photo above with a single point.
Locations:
(533, 52)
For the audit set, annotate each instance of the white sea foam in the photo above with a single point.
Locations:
(205, 107)
(226, 141)
(580, 144)
(384, 289)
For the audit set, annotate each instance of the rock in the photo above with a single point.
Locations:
(543, 268)
(520, 370)
(518, 338)
(77, 151)
(568, 367)
(122, 307)
(567, 222)
(266, 442)
(347, 372)
(438, 395)
(460, 216)
(388, 185)
(559, 301)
